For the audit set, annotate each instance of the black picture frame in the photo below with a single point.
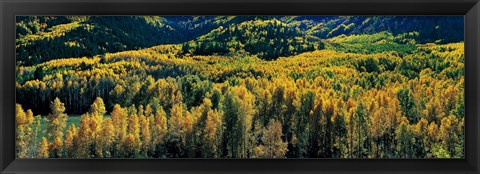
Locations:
(10, 8)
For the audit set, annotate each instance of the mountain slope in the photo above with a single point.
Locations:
(42, 38)
(268, 39)
(429, 28)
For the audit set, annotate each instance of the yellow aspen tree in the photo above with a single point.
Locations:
(20, 115)
(421, 131)
(245, 114)
(69, 140)
(129, 146)
(145, 136)
(212, 134)
(56, 147)
(134, 132)
(273, 145)
(43, 149)
(105, 139)
(148, 110)
(141, 111)
(32, 133)
(21, 143)
(57, 120)
(97, 111)
(95, 123)
(176, 136)
(26, 132)
(98, 107)
(448, 134)
(21, 139)
(120, 122)
(432, 132)
(84, 138)
(160, 127)
(176, 121)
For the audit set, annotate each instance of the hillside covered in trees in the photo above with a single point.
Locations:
(240, 87)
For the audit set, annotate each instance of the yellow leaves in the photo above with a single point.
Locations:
(69, 139)
(56, 147)
(448, 126)
(134, 126)
(212, 125)
(57, 119)
(329, 108)
(160, 126)
(273, 145)
(247, 98)
(131, 144)
(54, 32)
(332, 76)
(145, 133)
(43, 149)
(433, 131)
(20, 116)
(21, 142)
(119, 120)
(259, 151)
(421, 128)
(98, 107)
(450, 135)
(108, 131)
(176, 120)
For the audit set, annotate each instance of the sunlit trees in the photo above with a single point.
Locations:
(133, 142)
(449, 135)
(176, 131)
(57, 123)
(83, 141)
(146, 135)
(27, 128)
(272, 144)
(212, 134)
(105, 139)
(120, 123)
(159, 132)
(57, 120)
(43, 149)
(284, 93)
(405, 141)
(70, 140)
(238, 114)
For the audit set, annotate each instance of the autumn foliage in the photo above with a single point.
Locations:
(359, 96)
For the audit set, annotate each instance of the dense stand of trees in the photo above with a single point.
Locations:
(40, 39)
(44, 38)
(162, 103)
(268, 39)
(438, 29)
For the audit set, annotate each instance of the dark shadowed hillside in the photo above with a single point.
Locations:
(40, 39)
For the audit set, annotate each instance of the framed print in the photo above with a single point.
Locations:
(239, 87)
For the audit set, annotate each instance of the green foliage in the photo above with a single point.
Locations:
(407, 102)
(267, 39)
(239, 87)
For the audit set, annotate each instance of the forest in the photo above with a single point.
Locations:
(240, 87)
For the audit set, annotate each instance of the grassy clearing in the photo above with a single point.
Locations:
(72, 119)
